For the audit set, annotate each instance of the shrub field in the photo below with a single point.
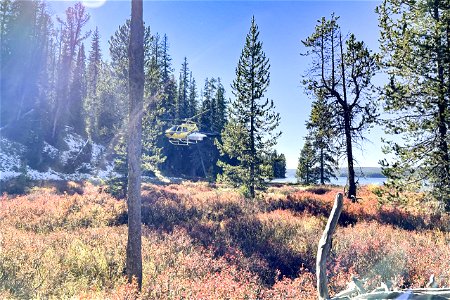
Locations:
(209, 242)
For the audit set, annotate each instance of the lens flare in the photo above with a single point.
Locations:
(93, 3)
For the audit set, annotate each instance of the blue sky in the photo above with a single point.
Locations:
(211, 34)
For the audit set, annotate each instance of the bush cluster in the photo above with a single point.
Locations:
(209, 242)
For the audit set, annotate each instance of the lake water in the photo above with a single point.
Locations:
(290, 178)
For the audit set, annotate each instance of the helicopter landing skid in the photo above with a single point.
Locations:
(182, 142)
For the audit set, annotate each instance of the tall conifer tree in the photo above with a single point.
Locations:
(250, 134)
(307, 170)
(78, 92)
(322, 131)
(72, 35)
(95, 58)
(415, 42)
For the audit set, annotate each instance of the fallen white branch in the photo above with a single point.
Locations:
(325, 246)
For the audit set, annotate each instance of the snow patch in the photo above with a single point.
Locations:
(97, 151)
(49, 175)
(5, 175)
(50, 150)
(78, 176)
(10, 163)
(75, 143)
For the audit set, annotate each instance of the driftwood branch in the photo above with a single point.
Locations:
(325, 246)
(356, 291)
(431, 293)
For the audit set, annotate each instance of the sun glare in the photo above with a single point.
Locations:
(93, 3)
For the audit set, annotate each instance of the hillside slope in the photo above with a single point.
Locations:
(76, 159)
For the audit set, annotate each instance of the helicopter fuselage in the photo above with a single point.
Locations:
(184, 134)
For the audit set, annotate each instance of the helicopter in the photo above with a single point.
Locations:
(186, 133)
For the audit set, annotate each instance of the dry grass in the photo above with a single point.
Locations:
(208, 242)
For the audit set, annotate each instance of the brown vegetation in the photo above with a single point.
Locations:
(206, 242)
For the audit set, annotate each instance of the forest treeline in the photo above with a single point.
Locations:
(55, 78)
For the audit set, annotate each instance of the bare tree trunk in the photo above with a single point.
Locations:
(322, 171)
(351, 194)
(347, 129)
(443, 109)
(324, 248)
(134, 148)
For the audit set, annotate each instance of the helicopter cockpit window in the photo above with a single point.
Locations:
(184, 129)
(173, 128)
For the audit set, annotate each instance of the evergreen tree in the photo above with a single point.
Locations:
(278, 162)
(95, 59)
(192, 98)
(322, 133)
(77, 93)
(415, 43)
(250, 133)
(307, 170)
(110, 107)
(153, 124)
(71, 37)
(26, 31)
(342, 73)
(211, 120)
(208, 109)
(153, 67)
(183, 92)
(118, 50)
(168, 81)
(152, 155)
(93, 101)
(220, 118)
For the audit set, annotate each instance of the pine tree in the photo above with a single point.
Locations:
(95, 59)
(415, 44)
(153, 123)
(307, 170)
(278, 163)
(220, 118)
(206, 118)
(183, 91)
(109, 106)
(71, 38)
(153, 67)
(250, 133)
(168, 100)
(322, 133)
(118, 50)
(77, 93)
(26, 31)
(211, 120)
(152, 155)
(168, 97)
(342, 73)
(93, 102)
(192, 98)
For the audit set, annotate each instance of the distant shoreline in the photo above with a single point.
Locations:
(368, 176)
(361, 172)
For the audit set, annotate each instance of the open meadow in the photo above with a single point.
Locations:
(204, 241)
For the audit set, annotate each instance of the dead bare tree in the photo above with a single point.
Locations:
(134, 147)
